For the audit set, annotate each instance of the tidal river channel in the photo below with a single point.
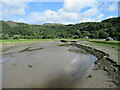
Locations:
(45, 65)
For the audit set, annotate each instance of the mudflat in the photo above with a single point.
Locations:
(23, 69)
(48, 65)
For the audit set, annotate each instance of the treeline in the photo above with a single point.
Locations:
(94, 30)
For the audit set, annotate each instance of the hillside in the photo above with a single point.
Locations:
(103, 29)
(11, 23)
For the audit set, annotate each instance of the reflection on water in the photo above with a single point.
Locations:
(73, 73)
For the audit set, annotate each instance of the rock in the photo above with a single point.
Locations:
(73, 41)
(63, 41)
(110, 86)
(90, 76)
(30, 66)
(105, 69)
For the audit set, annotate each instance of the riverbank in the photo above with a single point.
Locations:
(111, 49)
(104, 65)
(32, 63)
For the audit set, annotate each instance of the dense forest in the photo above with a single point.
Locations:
(94, 30)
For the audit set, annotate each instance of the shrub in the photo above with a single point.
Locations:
(103, 34)
(0, 36)
(5, 36)
(16, 37)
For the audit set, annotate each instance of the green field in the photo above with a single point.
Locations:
(6, 43)
(24, 40)
(32, 40)
(113, 43)
(108, 43)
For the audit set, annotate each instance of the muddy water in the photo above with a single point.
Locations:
(50, 67)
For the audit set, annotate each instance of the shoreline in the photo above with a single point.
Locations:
(104, 63)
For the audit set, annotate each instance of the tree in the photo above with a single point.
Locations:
(102, 30)
(0, 36)
(102, 34)
(5, 36)
(16, 37)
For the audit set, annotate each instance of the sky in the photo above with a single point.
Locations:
(57, 11)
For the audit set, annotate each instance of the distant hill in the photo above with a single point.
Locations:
(112, 20)
(12, 23)
(103, 29)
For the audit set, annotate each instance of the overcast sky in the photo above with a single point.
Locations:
(63, 11)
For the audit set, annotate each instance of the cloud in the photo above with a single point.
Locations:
(119, 8)
(91, 19)
(13, 8)
(77, 5)
(70, 12)
(110, 17)
(113, 7)
(50, 16)
(73, 11)
(100, 16)
(21, 20)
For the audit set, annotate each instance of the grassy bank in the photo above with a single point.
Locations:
(90, 41)
(12, 42)
(109, 47)
(31, 40)
(106, 43)
(23, 40)
(114, 43)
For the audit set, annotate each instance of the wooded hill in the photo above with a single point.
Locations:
(101, 30)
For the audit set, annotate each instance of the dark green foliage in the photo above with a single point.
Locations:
(5, 36)
(102, 34)
(108, 27)
(0, 36)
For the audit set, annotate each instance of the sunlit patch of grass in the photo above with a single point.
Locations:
(109, 43)
(35, 40)
(23, 40)
(12, 42)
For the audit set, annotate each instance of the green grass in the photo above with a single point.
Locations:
(32, 40)
(24, 40)
(17, 41)
(108, 43)
(7, 43)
